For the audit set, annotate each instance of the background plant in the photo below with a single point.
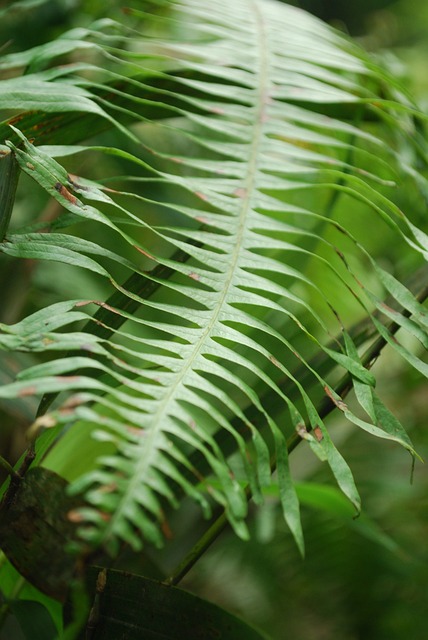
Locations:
(251, 187)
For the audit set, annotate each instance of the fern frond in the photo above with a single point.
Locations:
(243, 134)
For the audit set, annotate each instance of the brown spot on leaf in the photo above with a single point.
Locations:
(218, 110)
(318, 433)
(72, 402)
(339, 403)
(275, 361)
(387, 308)
(68, 378)
(166, 530)
(104, 305)
(201, 219)
(240, 192)
(200, 195)
(145, 253)
(30, 166)
(136, 431)
(69, 406)
(72, 179)
(64, 192)
(194, 276)
(27, 391)
(75, 516)
(108, 488)
(341, 256)
(18, 118)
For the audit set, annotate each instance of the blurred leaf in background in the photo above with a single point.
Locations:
(354, 15)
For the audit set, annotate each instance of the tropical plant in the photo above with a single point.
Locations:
(230, 198)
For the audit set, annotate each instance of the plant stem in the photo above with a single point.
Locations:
(16, 476)
(9, 173)
(198, 550)
(7, 467)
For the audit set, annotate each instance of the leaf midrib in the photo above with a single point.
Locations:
(148, 446)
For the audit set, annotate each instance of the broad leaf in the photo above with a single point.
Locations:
(167, 613)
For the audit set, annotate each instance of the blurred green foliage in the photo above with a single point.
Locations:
(355, 15)
(349, 587)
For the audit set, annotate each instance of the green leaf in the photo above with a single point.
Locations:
(331, 501)
(384, 424)
(34, 620)
(50, 610)
(168, 612)
(35, 528)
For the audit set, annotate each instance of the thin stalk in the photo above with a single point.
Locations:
(198, 550)
(17, 476)
(9, 173)
(7, 467)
